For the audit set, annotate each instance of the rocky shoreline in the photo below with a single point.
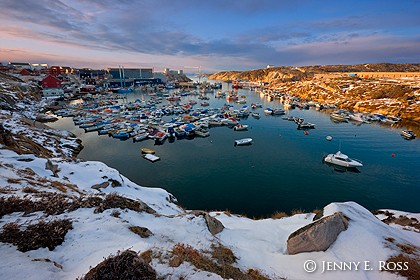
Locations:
(384, 93)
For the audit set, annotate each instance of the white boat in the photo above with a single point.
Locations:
(202, 132)
(278, 111)
(229, 121)
(342, 160)
(268, 111)
(141, 136)
(243, 142)
(357, 117)
(408, 134)
(240, 127)
(338, 117)
(256, 115)
(151, 157)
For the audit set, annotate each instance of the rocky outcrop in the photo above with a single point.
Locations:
(214, 225)
(317, 236)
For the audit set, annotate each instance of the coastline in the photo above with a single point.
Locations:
(42, 182)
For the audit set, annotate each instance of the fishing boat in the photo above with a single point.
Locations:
(147, 151)
(268, 111)
(408, 134)
(141, 136)
(151, 157)
(122, 135)
(342, 160)
(305, 126)
(160, 137)
(202, 132)
(278, 111)
(338, 117)
(240, 127)
(243, 142)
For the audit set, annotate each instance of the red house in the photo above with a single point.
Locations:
(25, 72)
(51, 82)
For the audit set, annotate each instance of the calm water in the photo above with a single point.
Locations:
(281, 171)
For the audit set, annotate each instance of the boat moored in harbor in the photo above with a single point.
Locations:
(243, 142)
(342, 160)
(408, 134)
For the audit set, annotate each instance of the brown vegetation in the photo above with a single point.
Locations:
(41, 235)
(125, 265)
(54, 203)
(222, 267)
(413, 264)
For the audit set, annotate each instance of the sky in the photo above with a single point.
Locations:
(213, 35)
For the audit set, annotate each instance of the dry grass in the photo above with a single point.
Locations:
(41, 235)
(113, 200)
(125, 265)
(223, 254)
(278, 215)
(297, 211)
(29, 190)
(147, 256)
(14, 181)
(413, 263)
(55, 203)
(408, 249)
(222, 267)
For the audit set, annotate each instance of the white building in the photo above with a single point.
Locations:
(52, 92)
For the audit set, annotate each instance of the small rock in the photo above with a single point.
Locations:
(100, 186)
(141, 231)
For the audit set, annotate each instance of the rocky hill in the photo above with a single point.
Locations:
(378, 93)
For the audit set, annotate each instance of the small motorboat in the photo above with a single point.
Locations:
(147, 151)
(278, 111)
(329, 138)
(408, 134)
(141, 136)
(256, 115)
(338, 117)
(151, 157)
(122, 135)
(342, 160)
(306, 126)
(243, 142)
(240, 127)
(268, 111)
(202, 132)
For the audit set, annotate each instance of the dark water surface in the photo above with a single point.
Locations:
(281, 171)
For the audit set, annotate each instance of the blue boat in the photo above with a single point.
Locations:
(121, 135)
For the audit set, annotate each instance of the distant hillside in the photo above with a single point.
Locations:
(288, 73)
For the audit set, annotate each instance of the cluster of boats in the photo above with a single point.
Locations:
(141, 120)
(345, 116)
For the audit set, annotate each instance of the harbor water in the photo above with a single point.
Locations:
(281, 171)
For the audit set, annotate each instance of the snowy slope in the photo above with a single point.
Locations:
(258, 244)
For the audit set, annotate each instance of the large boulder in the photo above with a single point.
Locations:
(317, 236)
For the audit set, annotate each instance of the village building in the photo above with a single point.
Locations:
(20, 65)
(51, 87)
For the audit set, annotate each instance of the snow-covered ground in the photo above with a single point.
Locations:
(258, 244)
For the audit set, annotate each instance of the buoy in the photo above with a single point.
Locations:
(329, 138)
(392, 155)
(306, 133)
